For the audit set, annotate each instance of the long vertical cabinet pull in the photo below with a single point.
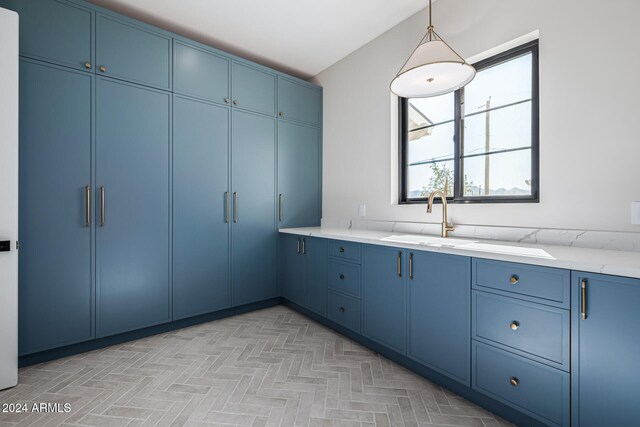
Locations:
(235, 207)
(102, 206)
(226, 206)
(583, 297)
(399, 264)
(87, 207)
(298, 246)
(411, 266)
(280, 207)
(304, 246)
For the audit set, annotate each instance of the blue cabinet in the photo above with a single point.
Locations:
(605, 350)
(132, 53)
(253, 89)
(254, 236)
(299, 102)
(200, 207)
(384, 296)
(299, 156)
(56, 280)
(55, 31)
(292, 269)
(440, 313)
(132, 172)
(303, 263)
(200, 73)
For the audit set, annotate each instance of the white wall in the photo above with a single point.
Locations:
(589, 113)
(8, 197)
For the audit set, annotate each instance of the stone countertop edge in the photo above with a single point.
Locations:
(615, 263)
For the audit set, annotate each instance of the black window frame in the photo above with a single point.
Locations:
(458, 138)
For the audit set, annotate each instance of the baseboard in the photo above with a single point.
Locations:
(57, 353)
(460, 389)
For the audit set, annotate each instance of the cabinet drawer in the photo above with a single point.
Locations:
(538, 390)
(549, 285)
(344, 278)
(540, 331)
(344, 250)
(344, 311)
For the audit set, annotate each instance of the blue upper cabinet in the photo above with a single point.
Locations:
(440, 313)
(55, 31)
(200, 207)
(133, 53)
(384, 296)
(299, 153)
(253, 89)
(56, 279)
(605, 350)
(299, 102)
(254, 236)
(132, 215)
(200, 73)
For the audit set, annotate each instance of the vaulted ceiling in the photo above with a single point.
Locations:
(301, 37)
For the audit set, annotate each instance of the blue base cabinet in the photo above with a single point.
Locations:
(292, 269)
(606, 350)
(439, 313)
(200, 207)
(384, 296)
(56, 251)
(133, 234)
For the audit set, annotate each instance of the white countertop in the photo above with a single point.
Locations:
(617, 263)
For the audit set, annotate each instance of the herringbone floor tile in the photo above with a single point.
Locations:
(272, 367)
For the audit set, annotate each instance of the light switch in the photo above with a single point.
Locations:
(362, 210)
(635, 213)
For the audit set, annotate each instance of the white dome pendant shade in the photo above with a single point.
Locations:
(432, 69)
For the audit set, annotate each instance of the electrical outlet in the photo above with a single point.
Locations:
(362, 210)
(635, 213)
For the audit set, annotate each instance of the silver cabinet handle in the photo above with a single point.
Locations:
(102, 221)
(235, 102)
(304, 246)
(583, 292)
(226, 206)
(87, 199)
(298, 246)
(399, 264)
(227, 100)
(280, 200)
(235, 207)
(411, 266)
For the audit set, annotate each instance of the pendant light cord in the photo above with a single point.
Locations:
(430, 27)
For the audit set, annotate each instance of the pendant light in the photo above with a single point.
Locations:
(432, 69)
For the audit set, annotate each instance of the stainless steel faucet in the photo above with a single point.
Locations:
(446, 228)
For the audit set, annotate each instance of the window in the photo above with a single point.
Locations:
(480, 143)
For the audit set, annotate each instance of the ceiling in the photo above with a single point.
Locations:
(301, 37)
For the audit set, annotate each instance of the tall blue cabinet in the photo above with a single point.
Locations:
(149, 176)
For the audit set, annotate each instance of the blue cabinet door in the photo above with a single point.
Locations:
(299, 153)
(384, 295)
(132, 53)
(292, 268)
(200, 73)
(56, 291)
(299, 102)
(200, 217)
(315, 275)
(132, 165)
(55, 31)
(605, 350)
(254, 236)
(440, 313)
(253, 89)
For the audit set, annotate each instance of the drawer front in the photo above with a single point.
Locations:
(344, 278)
(550, 285)
(344, 311)
(538, 390)
(345, 250)
(537, 330)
